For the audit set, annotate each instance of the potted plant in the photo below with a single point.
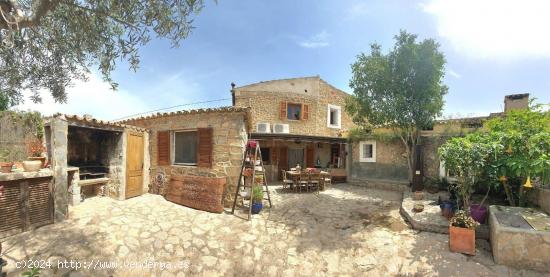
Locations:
(257, 198)
(35, 161)
(462, 233)
(5, 166)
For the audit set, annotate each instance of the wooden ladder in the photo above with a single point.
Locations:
(250, 157)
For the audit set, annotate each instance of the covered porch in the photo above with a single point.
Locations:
(285, 151)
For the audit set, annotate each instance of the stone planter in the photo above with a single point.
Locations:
(462, 240)
(32, 166)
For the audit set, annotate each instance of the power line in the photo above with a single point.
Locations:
(167, 108)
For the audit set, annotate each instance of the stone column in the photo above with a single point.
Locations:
(59, 130)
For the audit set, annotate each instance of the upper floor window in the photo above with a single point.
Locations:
(294, 111)
(367, 151)
(334, 116)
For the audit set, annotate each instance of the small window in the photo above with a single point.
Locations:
(334, 114)
(367, 151)
(294, 111)
(266, 155)
(185, 148)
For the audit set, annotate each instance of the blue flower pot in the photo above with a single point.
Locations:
(257, 207)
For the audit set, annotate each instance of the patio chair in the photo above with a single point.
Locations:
(327, 180)
(287, 183)
(314, 181)
(303, 181)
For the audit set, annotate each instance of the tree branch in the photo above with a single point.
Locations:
(103, 14)
(15, 15)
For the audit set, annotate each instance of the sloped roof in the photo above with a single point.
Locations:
(93, 122)
(228, 109)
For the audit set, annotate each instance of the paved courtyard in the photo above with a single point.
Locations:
(347, 230)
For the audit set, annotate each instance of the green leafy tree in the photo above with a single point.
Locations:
(402, 90)
(524, 137)
(46, 44)
(471, 159)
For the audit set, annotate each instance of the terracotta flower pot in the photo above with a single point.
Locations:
(418, 195)
(31, 166)
(462, 240)
(5, 167)
(41, 159)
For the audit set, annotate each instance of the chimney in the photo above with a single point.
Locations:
(516, 102)
(233, 93)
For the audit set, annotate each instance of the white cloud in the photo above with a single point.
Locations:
(454, 73)
(93, 97)
(358, 9)
(494, 29)
(316, 41)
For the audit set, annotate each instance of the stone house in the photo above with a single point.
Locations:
(297, 121)
(201, 147)
(385, 160)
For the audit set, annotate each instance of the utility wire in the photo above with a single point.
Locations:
(167, 108)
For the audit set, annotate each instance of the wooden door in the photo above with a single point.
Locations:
(134, 165)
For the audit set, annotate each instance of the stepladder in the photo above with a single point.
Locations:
(252, 188)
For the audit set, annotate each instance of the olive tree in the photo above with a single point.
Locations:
(402, 90)
(46, 44)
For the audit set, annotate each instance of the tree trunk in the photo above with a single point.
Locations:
(509, 194)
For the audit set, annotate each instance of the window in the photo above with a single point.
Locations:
(266, 155)
(294, 111)
(185, 148)
(367, 151)
(334, 118)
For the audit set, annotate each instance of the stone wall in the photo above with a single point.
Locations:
(229, 136)
(264, 100)
(391, 162)
(15, 130)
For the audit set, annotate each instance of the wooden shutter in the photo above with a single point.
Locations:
(282, 111)
(163, 148)
(205, 146)
(310, 153)
(305, 111)
(274, 155)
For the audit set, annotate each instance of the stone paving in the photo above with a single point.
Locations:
(346, 230)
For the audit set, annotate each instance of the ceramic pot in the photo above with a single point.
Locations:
(462, 240)
(32, 166)
(6, 167)
(418, 195)
(41, 159)
(257, 207)
(447, 209)
(478, 212)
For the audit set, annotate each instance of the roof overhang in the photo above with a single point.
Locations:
(293, 137)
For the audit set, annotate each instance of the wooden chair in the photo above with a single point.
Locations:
(287, 183)
(303, 182)
(326, 180)
(314, 180)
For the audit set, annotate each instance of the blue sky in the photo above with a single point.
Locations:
(493, 48)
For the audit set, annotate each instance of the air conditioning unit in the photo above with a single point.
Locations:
(263, 128)
(279, 128)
